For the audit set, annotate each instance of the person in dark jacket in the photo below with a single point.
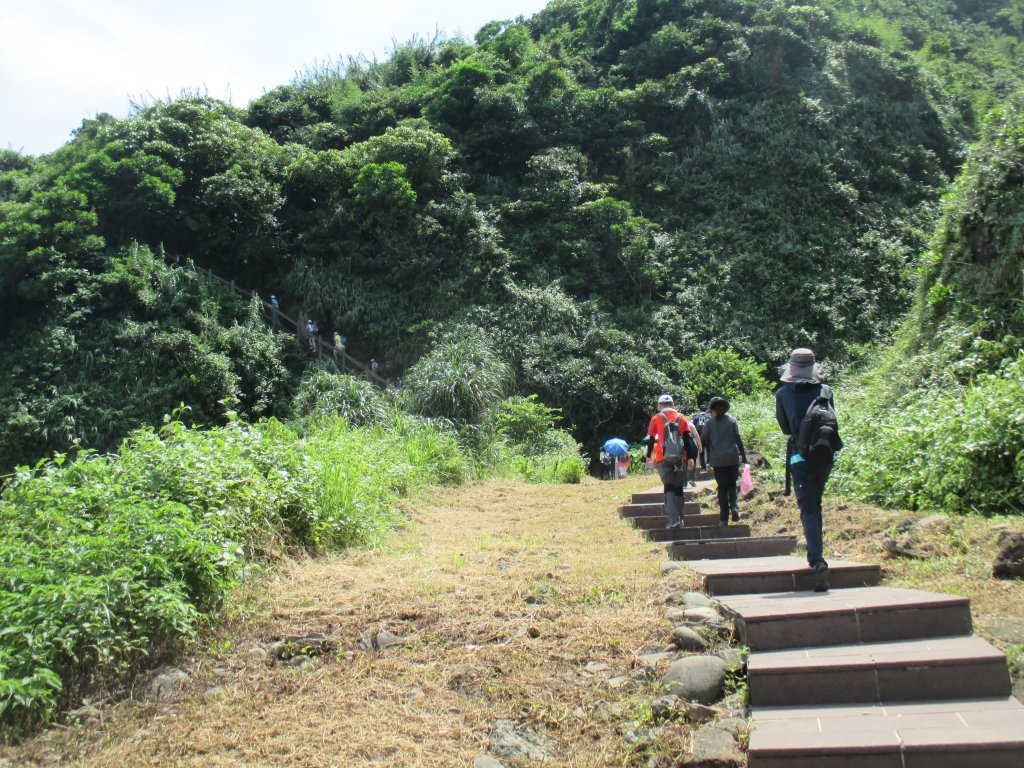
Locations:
(802, 383)
(698, 422)
(721, 438)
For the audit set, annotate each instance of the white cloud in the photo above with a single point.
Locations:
(65, 60)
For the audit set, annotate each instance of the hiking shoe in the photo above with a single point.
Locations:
(735, 515)
(821, 577)
(673, 526)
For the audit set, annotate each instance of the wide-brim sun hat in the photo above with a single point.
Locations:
(717, 402)
(801, 368)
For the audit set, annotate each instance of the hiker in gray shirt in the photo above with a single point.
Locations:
(721, 438)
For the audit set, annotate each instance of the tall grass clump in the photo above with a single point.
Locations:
(465, 384)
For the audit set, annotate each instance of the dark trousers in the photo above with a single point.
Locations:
(726, 478)
(809, 480)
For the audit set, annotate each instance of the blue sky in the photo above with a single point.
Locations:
(65, 60)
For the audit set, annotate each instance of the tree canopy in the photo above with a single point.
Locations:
(604, 191)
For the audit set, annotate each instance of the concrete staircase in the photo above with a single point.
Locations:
(701, 537)
(862, 676)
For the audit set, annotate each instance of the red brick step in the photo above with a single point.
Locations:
(647, 510)
(908, 670)
(731, 548)
(985, 733)
(856, 615)
(779, 574)
(657, 497)
(702, 532)
(661, 521)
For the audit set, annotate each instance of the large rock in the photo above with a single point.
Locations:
(686, 639)
(523, 743)
(697, 678)
(702, 615)
(1009, 562)
(695, 600)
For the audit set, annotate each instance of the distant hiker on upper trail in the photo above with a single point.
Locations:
(721, 436)
(806, 414)
(339, 345)
(311, 331)
(674, 451)
(277, 310)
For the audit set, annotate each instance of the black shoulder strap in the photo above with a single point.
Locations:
(825, 393)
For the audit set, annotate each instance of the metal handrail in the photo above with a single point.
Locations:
(346, 359)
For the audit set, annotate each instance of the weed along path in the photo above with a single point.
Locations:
(503, 614)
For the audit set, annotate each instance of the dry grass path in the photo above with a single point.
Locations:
(503, 594)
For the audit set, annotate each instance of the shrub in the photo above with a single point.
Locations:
(109, 560)
(322, 393)
(721, 372)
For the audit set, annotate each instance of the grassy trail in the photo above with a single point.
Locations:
(503, 594)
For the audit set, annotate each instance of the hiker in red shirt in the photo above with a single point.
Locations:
(674, 452)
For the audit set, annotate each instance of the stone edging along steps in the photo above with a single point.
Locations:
(862, 676)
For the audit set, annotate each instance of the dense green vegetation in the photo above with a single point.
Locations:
(605, 191)
(108, 562)
(542, 228)
(936, 419)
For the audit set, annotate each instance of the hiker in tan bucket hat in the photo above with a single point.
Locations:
(805, 411)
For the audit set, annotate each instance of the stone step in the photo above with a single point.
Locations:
(648, 510)
(661, 521)
(980, 733)
(698, 532)
(907, 670)
(731, 548)
(779, 574)
(856, 615)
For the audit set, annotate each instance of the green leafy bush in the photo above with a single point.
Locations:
(322, 393)
(721, 372)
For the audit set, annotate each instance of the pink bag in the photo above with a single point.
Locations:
(746, 481)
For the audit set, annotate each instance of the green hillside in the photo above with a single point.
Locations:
(607, 193)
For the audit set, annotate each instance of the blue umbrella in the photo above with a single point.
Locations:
(616, 446)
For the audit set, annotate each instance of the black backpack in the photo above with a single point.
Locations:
(819, 436)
